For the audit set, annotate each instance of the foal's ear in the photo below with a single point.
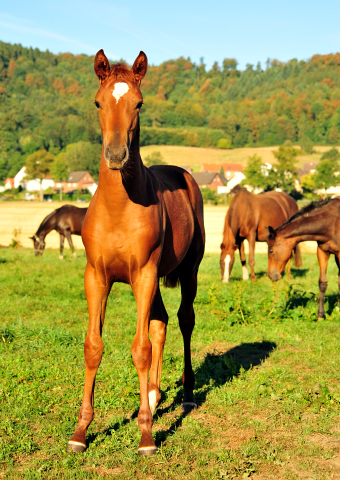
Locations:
(101, 66)
(140, 67)
(272, 233)
(31, 238)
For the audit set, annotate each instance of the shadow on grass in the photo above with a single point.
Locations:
(299, 272)
(333, 301)
(216, 370)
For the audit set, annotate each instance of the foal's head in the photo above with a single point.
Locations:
(38, 245)
(119, 100)
(279, 252)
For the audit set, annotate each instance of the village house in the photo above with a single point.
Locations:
(77, 181)
(32, 185)
(212, 180)
(229, 169)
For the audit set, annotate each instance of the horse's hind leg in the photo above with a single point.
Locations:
(96, 294)
(62, 240)
(251, 240)
(157, 330)
(186, 317)
(323, 260)
(69, 239)
(245, 274)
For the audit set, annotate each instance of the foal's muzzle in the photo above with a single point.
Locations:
(116, 157)
(274, 276)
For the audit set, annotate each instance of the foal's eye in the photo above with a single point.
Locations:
(271, 251)
(97, 104)
(139, 106)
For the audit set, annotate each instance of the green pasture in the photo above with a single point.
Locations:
(267, 377)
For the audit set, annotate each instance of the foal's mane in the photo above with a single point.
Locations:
(121, 70)
(308, 208)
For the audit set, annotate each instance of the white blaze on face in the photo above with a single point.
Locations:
(245, 273)
(226, 269)
(120, 90)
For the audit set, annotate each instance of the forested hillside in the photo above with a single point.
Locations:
(46, 102)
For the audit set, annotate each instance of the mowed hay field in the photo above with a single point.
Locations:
(195, 157)
(267, 377)
(26, 217)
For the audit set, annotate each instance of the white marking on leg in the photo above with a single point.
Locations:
(120, 90)
(245, 273)
(152, 401)
(225, 278)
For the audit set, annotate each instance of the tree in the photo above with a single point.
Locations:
(154, 158)
(83, 156)
(283, 175)
(60, 170)
(255, 173)
(38, 166)
(327, 170)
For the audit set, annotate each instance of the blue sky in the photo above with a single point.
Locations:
(249, 31)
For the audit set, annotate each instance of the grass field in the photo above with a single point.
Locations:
(267, 378)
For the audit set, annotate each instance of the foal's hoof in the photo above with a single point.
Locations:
(319, 319)
(61, 257)
(147, 451)
(75, 447)
(188, 407)
(74, 255)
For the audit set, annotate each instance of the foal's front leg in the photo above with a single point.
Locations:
(144, 289)
(96, 294)
(323, 260)
(157, 329)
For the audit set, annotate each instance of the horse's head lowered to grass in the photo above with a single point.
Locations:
(279, 252)
(38, 245)
(119, 101)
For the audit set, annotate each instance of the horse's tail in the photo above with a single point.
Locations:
(171, 280)
(297, 256)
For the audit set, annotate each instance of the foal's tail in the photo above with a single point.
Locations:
(297, 256)
(172, 279)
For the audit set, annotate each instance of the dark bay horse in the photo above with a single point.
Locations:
(66, 220)
(317, 221)
(247, 218)
(142, 224)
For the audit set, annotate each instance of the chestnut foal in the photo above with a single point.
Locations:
(142, 224)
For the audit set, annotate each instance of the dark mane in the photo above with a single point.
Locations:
(308, 208)
(121, 70)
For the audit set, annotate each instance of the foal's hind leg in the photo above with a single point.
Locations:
(323, 260)
(96, 294)
(157, 330)
(186, 317)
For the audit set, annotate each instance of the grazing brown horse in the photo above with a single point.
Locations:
(66, 220)
(247, 218)
(317, 221)
(142, 224)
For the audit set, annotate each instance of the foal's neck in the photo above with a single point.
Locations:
(308, 227)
